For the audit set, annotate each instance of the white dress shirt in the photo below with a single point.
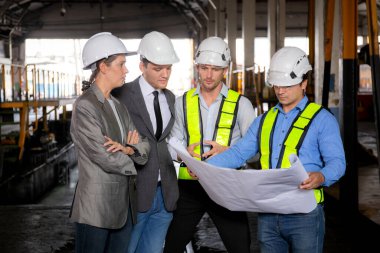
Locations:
(147, 92)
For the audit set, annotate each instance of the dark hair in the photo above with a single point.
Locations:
(306, 76)
(107, 61)
(144, 61)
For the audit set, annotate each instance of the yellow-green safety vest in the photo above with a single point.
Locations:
(293, 140)
(193, 121)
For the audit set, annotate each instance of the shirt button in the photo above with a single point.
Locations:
(279, 145)
(283, 131)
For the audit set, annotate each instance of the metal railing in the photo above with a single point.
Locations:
(26, 87)
(30, 83)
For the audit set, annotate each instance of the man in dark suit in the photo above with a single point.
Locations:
(151, 107)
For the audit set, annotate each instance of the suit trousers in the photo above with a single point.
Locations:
(193, 202)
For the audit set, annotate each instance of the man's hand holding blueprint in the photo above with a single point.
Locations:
(269, 191)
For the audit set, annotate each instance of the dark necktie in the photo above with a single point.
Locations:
(157, 112)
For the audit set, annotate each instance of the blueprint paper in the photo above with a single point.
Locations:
(269, 191)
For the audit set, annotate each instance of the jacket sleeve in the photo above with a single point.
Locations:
(86, 130)
(141, 156)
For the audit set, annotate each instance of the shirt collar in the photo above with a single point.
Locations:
(98, 93)
(223, 91)
(146, 88)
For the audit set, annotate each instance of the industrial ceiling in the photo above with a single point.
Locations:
(22, 19)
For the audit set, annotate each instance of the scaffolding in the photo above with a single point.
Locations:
(28, 90)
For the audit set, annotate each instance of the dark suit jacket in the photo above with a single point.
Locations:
(159, 157)
(106, 184)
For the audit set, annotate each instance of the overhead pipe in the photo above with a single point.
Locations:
(212, 3)
(202, 11)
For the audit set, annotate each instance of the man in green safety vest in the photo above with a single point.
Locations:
(294, 126)
(209, 118)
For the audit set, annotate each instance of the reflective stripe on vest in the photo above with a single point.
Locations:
(226, 118)
(265, 137)
(293, 140)
(225, 123)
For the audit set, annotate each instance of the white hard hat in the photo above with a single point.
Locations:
(287, 67)
(213, 51)
(157, 48)
(101, 46)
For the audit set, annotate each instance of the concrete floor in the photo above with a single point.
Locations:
(369, 174)
(42, 227)
(45, 227)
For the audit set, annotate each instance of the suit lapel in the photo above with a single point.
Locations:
(123, 120)
(140, 107)
(112, 122)
(172, 118)
(110, 116)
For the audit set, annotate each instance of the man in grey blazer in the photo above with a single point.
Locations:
(151, 107)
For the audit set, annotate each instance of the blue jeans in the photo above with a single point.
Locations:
(148, 235)
(279, 233)
(100, 240)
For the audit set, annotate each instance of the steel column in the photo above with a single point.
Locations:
(349, 183)
(248, 34)
(375, 63)
(311, 31)
(272, 7)
(231, 7)
(329, 26)
(211, 24)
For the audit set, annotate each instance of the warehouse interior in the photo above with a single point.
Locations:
(37, 159)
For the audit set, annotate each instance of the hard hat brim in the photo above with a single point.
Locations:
(281, 79)
(211, 58)
(171, 60)
(128, 53)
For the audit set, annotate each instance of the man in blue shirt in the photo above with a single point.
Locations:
(293, 126)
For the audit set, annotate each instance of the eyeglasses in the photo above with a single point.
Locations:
(282, 87)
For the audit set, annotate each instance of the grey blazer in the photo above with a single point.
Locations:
(106, 184)
(159, 157)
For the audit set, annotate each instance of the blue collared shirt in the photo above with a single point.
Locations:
(322, 149)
